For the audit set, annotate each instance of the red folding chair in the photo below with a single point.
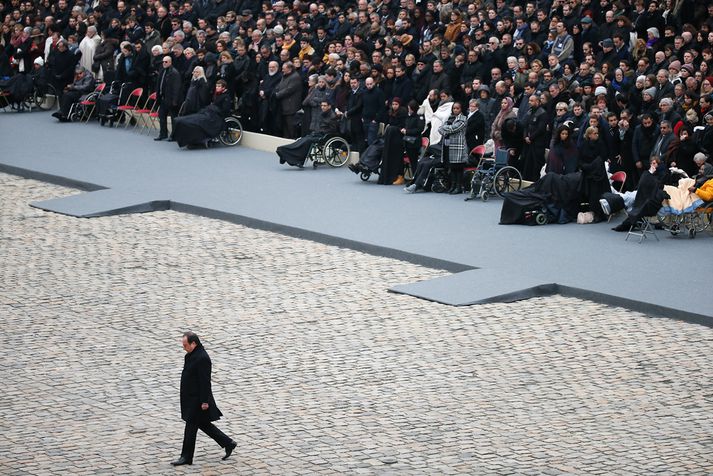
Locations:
(144, 113)
(619, 177)
(129, 107)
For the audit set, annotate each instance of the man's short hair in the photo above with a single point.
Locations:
(192, 336)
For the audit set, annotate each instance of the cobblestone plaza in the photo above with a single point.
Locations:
(316, 367)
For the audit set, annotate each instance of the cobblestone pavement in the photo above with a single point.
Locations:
(317, 368)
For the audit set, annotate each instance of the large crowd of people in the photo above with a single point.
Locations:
(566, 85)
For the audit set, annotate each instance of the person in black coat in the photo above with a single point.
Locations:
(595, 181)
(60, 63)
(475, 126)
(533, 151)
(198, 95)
(355, 105)
(392, 158)
(168, 95)
(198, 408)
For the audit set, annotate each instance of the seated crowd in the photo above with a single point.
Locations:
(565, 85)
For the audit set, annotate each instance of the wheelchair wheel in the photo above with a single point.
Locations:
(45, 98)
(365, 176)
(232, 134)
(336, 151)
(507, 179)
(75, 115)
(441, 183)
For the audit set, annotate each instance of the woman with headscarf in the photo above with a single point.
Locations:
(198, 95)
(595, 181)
(454, 152)
(506, 112)
(563, 155)
(392, 157)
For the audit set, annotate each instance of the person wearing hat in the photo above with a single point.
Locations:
(83, 85)
(607, 54)
(648, 103)
(590, 31)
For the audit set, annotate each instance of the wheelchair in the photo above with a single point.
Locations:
(492, 176)
(84, 108)
(330, 149)
(43, 97)
(232, 132)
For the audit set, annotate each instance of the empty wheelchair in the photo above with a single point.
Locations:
(330, 149)
(492, 176)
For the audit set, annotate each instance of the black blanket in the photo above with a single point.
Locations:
(19, 87)
(555, 193)
(295, 153)
(198, 128)
(370, 159)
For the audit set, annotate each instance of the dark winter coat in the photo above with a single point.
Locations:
(289, 93)
(169, 88)
(196, 388)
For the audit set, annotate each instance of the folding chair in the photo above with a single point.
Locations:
(144, 113)
(617, 177)
(127, 109)
(90, 103)
(642, 228)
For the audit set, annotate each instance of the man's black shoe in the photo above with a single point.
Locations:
(57, 114)
(160, 138)
(229, 449)
(181, 461)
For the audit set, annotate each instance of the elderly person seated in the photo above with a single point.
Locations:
(82, 85)
(197, 129)
(296, 153)
(705, 169)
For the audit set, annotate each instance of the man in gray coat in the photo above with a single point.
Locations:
(289, 97)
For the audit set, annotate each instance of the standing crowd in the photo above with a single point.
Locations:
(561, 83)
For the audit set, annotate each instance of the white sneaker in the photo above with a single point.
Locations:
(605, 206)
(411, 188)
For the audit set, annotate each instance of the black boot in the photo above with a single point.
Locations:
(452, 180)
(458, 181)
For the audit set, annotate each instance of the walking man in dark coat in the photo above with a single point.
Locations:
(198, 408)
(168, 95)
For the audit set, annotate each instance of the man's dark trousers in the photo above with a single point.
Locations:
(189, 437)
(165, 110)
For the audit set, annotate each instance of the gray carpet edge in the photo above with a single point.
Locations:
(650, 309)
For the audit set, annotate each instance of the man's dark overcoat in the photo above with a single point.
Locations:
(196, 389)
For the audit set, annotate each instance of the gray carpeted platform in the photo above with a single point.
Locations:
(334, 206)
